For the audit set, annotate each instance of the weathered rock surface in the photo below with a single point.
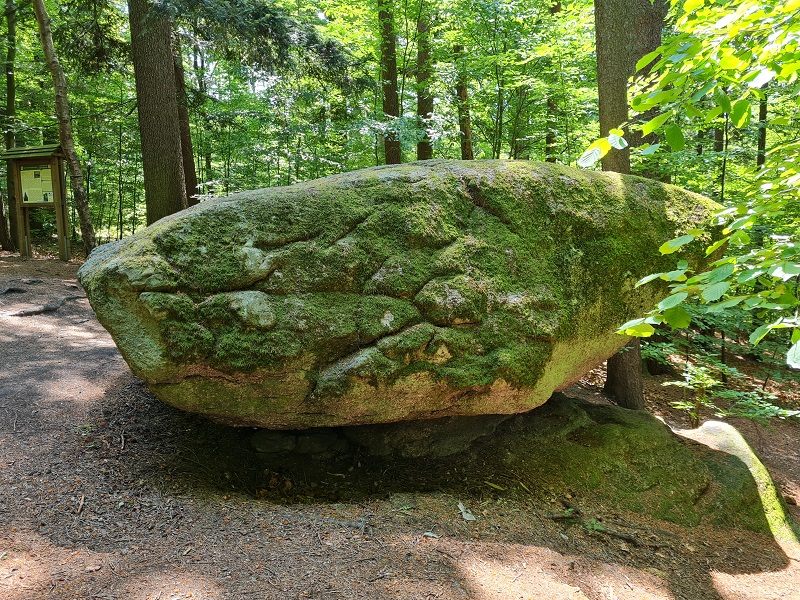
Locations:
(394, 293)
(594, 457)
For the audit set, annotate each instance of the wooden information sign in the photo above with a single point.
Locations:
(40, 183)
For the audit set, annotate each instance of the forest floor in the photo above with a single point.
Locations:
(107, 493)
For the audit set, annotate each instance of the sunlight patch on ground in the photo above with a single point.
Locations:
(502, 572)
(171, 585)
(783, 585)
(755, 586)
(31, 567)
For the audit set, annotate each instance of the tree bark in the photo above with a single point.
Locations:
(11, 115)
(65, 128)
(424, 96)
(624, 379)
(648, 18)
(625, 31)
(187, 150)
(391, 100)
(5, 235)
(550, 136)
(613, 40)
(157, 102)
(761, 157)
(462, 95)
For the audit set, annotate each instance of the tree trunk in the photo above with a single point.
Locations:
(648, 23)
(5, 235)
(762, 129)
(624, 379)
(550, 135)
(391, 100)
(613, 39)
(157, 102)
(65, 127)
(552, 110)
(11, 115)
(187, 150)
(424, 96)
(464, 122)
(625, 31)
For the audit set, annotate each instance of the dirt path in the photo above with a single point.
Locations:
(107, 493)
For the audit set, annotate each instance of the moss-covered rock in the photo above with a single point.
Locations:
(393, 293)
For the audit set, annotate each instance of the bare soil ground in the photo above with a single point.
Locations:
(107, 493)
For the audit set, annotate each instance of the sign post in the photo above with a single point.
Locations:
(40, 182)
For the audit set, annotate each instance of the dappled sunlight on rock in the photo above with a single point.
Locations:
(726, 438)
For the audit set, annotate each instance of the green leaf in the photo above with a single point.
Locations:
(725, 304)
(740, 238)
(673, 245)
(672, 300)
(643, 330)
(677, 317)
(740, 113)
(759, 334)
(655, 123)
(704, 90)
(715, 291)
(692, 5)
(722, 99)
(648, 279)
(617, 141)
(676, 275)
(637, 328)
(647, 59)
(796, 336)
(713, 113)
(750, 274)
(590, 157)
(720, 273)
(675, 138)
(716, 246)
(650, 149)
(793, 356)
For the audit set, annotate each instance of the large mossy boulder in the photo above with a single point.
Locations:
(393, 293)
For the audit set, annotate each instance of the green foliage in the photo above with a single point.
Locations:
(716, 385)
(723, 61)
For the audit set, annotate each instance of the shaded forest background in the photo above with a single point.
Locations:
(280, 92)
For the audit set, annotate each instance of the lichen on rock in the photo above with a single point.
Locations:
(423, 290)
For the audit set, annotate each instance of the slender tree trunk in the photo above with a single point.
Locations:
(391, 100)
(187, 150)
(424, 70)
(550, 136)
(11, 115)
(497, 142)
(65, 127)
(157, 102)
(462, 95)
(762, 130)
(5, 235)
